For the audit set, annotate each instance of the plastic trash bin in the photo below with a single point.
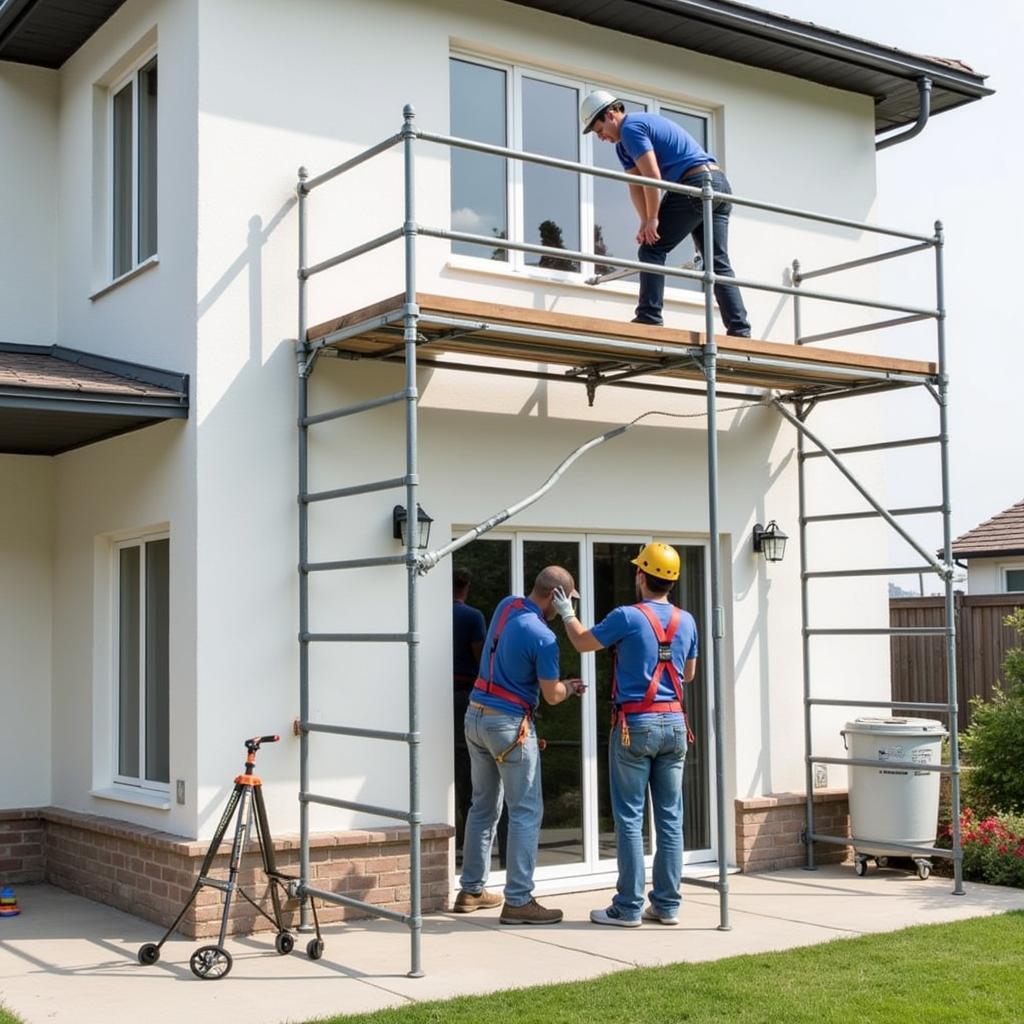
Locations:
(895, 805)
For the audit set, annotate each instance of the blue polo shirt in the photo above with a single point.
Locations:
(468, 628)
(636, 652)
(675, 149)
(527, 651)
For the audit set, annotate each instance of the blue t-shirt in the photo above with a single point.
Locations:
(675, 149)
(636, 653)
(468, 628)
(527, 651)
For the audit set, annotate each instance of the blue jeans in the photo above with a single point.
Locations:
(679, 216)
(653, 758)
(518, 777)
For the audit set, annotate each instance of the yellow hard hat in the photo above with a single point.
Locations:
(661, 560)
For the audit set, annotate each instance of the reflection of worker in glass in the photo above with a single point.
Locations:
(655, 647)
(468, 632)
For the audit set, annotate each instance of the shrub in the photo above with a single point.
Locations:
(993, 848)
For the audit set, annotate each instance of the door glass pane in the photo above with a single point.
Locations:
(551, 197)
(489, 563)
(614, 584)
(128, 663)
(157, 661)
(561, 835)
(615, 219)
(123, 141)
(479, 180)
(685, 252)
(147, 161)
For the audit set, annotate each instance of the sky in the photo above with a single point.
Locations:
(966, 169)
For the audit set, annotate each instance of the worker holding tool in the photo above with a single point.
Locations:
(654, 649)
(519, 664)
(652, 146)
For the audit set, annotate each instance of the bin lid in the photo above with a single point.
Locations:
(895, 726)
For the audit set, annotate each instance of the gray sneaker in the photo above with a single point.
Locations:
(530, 913)
(650, 914)
(612, 916)
(467, 902)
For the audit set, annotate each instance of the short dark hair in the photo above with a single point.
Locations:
(461, 578)
(657, 585)
(618, 106)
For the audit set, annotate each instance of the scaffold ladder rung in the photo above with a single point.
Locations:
(900, 570)
(348, 492)
(354, 805)
(877, 446)
(358, 638)
(836, 517)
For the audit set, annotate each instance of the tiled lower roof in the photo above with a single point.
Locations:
(52, 372)
(1003, 534)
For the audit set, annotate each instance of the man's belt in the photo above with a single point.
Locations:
(699, 169)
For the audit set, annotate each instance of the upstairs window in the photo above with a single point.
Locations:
(133, 134)
(1014, 579)
(531, 110)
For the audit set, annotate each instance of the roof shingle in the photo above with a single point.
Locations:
(1003, 534)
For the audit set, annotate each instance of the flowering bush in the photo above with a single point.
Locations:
(993, 848)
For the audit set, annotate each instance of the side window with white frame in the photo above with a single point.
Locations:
(1013, 578)
(133, 162)
(537, 111)
(142, 645)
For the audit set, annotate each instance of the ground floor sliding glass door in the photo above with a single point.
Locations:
(578, 835)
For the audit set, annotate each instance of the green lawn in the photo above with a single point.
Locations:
(972, 971)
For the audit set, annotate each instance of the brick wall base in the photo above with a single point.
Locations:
(769, 829)
(150, 873)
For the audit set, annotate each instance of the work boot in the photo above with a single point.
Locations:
(530, 913)
(467, 902)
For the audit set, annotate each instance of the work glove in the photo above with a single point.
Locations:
(563, 604)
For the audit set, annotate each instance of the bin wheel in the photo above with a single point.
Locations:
(861, 867)
(923, 870)
(315, 949)
(210, 963)
(883, 862)
(284, 943)
(149, 954)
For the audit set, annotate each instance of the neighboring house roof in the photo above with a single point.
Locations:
(47, 32)
(1001, 535)
(53, 399)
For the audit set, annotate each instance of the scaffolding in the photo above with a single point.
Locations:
(793, 379)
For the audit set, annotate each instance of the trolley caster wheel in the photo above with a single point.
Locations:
(315, 949)
(284, 943)
(923, 871)
(149, 954)
(860, 867)
(210, 963)
(882, 862)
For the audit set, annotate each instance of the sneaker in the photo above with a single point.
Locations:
(650, 323)
(530, 913)
(650, 914)
(613, 916)
(467, 902)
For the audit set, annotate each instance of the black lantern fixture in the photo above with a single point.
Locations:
(770, 541)
(400, 526)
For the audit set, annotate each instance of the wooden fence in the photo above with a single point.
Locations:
(919, 662)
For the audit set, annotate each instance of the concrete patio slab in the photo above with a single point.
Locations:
(69, 959)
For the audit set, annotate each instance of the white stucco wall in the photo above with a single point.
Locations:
(28, 204)
(988, 575)
(321, 95)
(26, 597)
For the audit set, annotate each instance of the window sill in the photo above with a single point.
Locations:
(130, 795)
(498, 268)
(125, 278)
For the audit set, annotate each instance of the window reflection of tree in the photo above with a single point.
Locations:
(551, 236)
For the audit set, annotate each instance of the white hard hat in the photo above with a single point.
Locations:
(593, 106)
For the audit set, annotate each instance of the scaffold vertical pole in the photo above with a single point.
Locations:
(717, 611)
(409, 321)
(304, 367)
(947, 557)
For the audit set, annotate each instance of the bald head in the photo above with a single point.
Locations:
(547, 579)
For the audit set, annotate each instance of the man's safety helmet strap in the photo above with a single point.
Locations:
(661, 560)
(593, 106)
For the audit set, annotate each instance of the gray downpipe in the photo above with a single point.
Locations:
(924, 107)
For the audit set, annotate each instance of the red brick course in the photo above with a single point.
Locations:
(151, 873)
(769, 829)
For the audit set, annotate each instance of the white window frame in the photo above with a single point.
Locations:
(139, 782)
(1005, 570)
(515, 72)
(130, 76)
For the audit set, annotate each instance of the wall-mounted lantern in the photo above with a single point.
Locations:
(770, 541)
(400, 526)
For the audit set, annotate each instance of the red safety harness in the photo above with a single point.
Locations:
(664, 666)
(487, 685)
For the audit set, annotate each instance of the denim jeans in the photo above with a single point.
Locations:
(653, 758)
(518, 776)
(679, 216)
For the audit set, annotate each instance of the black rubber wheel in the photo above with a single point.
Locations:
(284, 943)
(210, 963)
(149, 954)
(923, 871)
(315, 949)
(861, 867)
